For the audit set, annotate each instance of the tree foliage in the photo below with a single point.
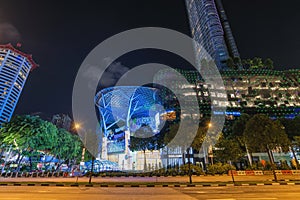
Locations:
(30, 135)
(228, 150)
(258, 63)
(268, 63)
(292, 127)
(68, 146)
(238, 129)
(233, 63)
(263, 134)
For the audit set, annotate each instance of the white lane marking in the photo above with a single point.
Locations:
(245, 198)
(220, 199)
(195, 192)
(9, 198)
(262, 198)
(44, 198)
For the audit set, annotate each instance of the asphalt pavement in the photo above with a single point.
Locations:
(145, 193)
(154, 179)
(244, 193)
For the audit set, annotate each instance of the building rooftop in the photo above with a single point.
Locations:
(28, 56)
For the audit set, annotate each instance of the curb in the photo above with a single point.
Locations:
(150, 185)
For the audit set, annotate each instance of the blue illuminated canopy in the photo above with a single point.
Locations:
(128, 108)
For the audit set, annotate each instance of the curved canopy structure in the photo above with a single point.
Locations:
(128, 108)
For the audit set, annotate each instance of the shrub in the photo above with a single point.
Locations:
(219, 168)
(284, 165)
(194, 169)
(227, 167)
(268, 166)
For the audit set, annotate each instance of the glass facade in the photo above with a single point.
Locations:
(207, 29)
(270, 92)
(101, 166)
(125, 112)
(14, 69)
(232, 47)
(128, 108)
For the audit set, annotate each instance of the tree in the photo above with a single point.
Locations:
(238, 130)
(263, 135)
(238, 62)
(141, 142)
(239, 127)
(268, 63)
(68, 147)
(247, 63)
(234, 63)
(197, 142)
(228, 150)
(292, 129)
(257, 63)
(27, 135)
(30, 135)
(199, 138)
(297, 140)
(230, 63)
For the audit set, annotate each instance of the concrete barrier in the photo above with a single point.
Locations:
(258, 173)
(286, 172)
(249, 172)
(232, 172)
(241, 173)
(278, 172)
(268, 173)
(295, 172)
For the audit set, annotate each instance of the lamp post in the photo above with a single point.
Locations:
(77, 126)
(189, 165)
(210, 150)
(92, 170)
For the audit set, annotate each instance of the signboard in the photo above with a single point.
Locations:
(116, 144)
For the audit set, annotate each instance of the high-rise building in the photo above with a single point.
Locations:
(210, 28)
(257, 91)
(14, 69)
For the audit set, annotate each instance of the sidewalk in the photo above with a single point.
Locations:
(154, 179)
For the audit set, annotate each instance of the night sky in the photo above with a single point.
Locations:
(60, 35)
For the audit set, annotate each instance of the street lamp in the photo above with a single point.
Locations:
(210, 150)
(209, 125)
(77, 126)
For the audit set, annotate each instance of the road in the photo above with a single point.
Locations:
(244, 193)
(83, 193)
(184, 179)
(182, 193)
